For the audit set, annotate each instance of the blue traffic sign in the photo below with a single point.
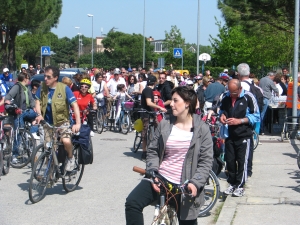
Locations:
(177, 52)
(45, 50)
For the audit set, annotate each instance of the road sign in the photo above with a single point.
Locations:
(45, 50)
(177, 52)
(161, 63)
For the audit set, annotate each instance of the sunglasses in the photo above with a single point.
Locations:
(48, 77)
(84, 86)
(30, 67)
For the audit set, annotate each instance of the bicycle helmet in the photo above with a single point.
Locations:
(117, 71)
(86, 81)
(138, 125)
(156, 93)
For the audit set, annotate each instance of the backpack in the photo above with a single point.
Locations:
(257, 93)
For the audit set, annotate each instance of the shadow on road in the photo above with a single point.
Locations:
(136, 155)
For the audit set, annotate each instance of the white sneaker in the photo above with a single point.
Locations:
(70, 164)
(229, 190)
(92, 133)
(35, 136)
(239, 192)
(14, 160)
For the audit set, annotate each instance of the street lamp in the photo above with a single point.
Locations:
(3, 36)
(78, 41)
(198, 36)
(90, 15)
(144, 44)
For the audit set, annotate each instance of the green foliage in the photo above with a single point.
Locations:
(174, 38)
(101, 60)
(37, 16)
(126, 48)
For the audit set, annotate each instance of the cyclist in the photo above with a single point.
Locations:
(21, 96)
(121, 95)
(101, 90)
(84, 100)
(53, 105)
(181, 150)
(147, 102)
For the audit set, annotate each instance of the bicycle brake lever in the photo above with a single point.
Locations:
(150, 180)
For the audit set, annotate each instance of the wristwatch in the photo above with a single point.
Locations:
(242, 121)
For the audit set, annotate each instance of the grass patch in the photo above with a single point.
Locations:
(218, 211)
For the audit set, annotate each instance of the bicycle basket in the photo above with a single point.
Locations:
(138, 125)
(128, 106)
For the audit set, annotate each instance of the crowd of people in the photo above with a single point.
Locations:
(182, 147)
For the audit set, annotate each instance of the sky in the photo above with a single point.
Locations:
(127, 16)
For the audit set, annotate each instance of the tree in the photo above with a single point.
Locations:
(253, 14)
(126, 48)
(174, 38)
(34, 15)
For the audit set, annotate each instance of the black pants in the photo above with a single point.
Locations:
(140, 197)
(236, 158)
(250, 158)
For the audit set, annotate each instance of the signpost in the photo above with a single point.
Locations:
(161, 63)
(178, 53)
(45, 51)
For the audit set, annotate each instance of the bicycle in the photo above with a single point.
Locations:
(125, 118)
(50, 166)
(166, 208)
(150, 130)
(100, 118)
(255, 138)
(5, 147)
(26, 140)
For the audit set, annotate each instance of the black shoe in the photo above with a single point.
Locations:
(144, 156)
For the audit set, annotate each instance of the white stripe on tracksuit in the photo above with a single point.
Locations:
(244, 179)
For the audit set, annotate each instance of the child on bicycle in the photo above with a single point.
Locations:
(121, 96)
(159, 102)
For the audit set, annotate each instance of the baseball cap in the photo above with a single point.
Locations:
(5, 70)
(117, 71)
(225, 71)
(129, 70)
(189, 82)
(151, 79)
(156, 93)
(198, 78)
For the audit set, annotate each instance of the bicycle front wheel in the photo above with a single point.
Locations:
(36, 154)
(255, 138)
(100, 121)
(125, 123)
(137, 142)
(39, 178)
(25, 148)
(211, 193)
(72, 179)
(6, 150)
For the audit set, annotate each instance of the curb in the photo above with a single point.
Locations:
(227, 212)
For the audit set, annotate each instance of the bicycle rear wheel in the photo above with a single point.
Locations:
(6, 155)
(100, 121)
(137, 142)
(36, 154)
(211, 193)
(39, 178)
(255, 138)
(25, 148)
(125, 123)
(72, 179)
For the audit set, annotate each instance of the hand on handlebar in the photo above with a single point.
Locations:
(75, 128)
(163, 109)
(156, 185)
(39, 118)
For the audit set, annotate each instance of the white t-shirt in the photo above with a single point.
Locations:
(97, 86)
(112, 85)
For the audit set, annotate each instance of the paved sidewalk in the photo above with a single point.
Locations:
(273, 192)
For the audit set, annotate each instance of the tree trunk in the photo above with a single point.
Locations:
(3, 52)
(11, 49)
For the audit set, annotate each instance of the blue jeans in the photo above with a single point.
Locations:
(29, 114)
(262, 115)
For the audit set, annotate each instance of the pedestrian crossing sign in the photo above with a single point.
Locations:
(177, 52)
(45, 50)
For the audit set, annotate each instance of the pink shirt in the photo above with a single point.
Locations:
(177, 146)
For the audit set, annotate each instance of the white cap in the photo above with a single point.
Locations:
(5, 70)
(189, 82)
(225, 70)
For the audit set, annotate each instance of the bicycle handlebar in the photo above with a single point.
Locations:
(139, 170)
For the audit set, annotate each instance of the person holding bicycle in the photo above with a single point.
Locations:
(53, 105)
(147, 103)
(84, 100)
(22, 98)
(181, 151)
(101, 90)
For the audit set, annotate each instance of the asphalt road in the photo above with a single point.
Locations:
(99, 199)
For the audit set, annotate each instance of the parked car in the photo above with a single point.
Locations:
(72, 71)
(41, 77)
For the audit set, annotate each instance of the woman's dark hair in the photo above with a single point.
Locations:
(277, 78)
(284, 77)
(98, 75)
(120, 87)
(22, 76)
(188, 95)
(35, 83)
(129, 77)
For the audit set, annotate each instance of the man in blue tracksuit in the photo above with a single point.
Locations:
(240, 111)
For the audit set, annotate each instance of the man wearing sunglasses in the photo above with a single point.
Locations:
(53, 105)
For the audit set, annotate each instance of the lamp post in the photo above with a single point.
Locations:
(78, 41)
(198, 36)
(90, 15)
(3, 36)
(144, 44)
